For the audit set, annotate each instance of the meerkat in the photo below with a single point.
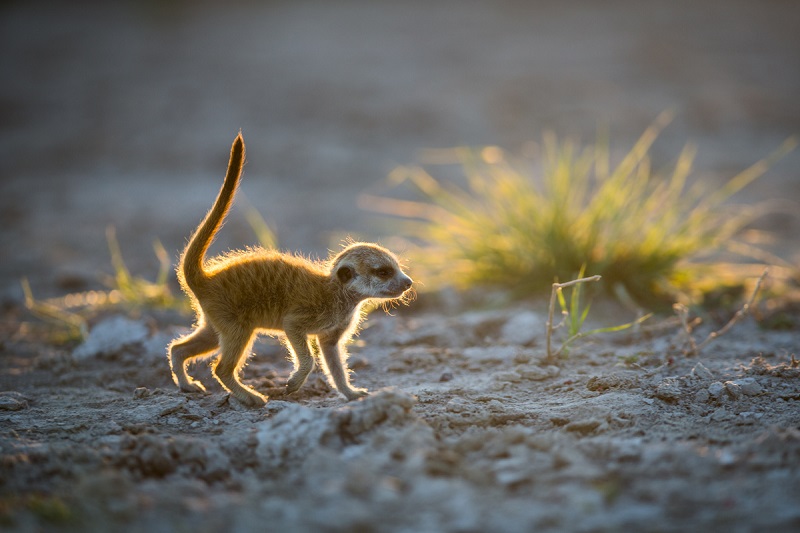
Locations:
(315, 305)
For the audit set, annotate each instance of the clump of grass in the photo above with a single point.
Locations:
(138, 292)
(645, 232)
(65, 326)
(67, 316)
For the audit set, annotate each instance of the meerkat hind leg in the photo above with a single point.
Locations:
(233, 353)
(303, 360)
(337, 369)
(198, 343)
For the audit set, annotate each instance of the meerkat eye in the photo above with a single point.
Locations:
(384, 272)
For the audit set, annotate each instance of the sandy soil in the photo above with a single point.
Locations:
(122, 114)
(467, 429)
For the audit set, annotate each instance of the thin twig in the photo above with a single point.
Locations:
(683, 315)
(741, 313)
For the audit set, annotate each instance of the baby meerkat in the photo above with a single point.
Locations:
(239, 294)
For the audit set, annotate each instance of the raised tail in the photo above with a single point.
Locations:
(191, 273)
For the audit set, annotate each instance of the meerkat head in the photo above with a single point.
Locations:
(370, 271)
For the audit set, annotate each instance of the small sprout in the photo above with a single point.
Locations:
(574, 316)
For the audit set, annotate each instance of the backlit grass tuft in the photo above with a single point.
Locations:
(646, 233)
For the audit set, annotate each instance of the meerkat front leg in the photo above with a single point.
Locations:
(235, 348)
(201, 341)
(336, 362)
(303, 359)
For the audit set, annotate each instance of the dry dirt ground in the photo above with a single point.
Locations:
(466, 429)
(122, 113)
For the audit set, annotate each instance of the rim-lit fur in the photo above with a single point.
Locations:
(316, 305)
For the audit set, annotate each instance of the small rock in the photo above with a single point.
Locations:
(447, 376)
(110, 336)
(583, 427)
(613, 381)
(719, 415)
(140, 392)
(669, 391)
(492, 354)
(173, 407)
(507, 375)
(8, 403)
(702, 396)
(734, 390)
(748, 386)
(716, 389)
(523, 356)
(456, 405)
(537, 373)
(522, 328)
(701, 372)
(726, 458)
(397, 366)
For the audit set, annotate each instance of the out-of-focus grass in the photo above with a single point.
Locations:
(66, 317)
(139, 292)
(646, 233)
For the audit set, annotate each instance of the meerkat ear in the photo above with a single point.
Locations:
(345, 273)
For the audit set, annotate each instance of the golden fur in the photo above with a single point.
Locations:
(316, 305)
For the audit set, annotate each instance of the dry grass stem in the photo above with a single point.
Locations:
(682, 312)
(741, 313)
(683, 315)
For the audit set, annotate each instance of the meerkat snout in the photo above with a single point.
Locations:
(371, 271)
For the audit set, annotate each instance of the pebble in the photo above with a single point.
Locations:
(726, 458)
(748, 386)
(701, 372)
(716, 389)
(719, 415)
(8, 403)
(668, 390)
(702, 396)
(496, 354)
(537, 373)
(583, 427)
(456, 405)
(507, 375)
(522, 328)
(110, 336)
(734, 390)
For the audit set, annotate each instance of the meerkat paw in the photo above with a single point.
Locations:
(294, 383)
(250, 398)
(355, 394)
(190, 385)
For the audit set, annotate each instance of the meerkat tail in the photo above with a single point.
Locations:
(191, 269)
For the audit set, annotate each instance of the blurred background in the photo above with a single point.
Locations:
(122, 113)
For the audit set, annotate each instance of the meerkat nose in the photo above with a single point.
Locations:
(407, 282)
